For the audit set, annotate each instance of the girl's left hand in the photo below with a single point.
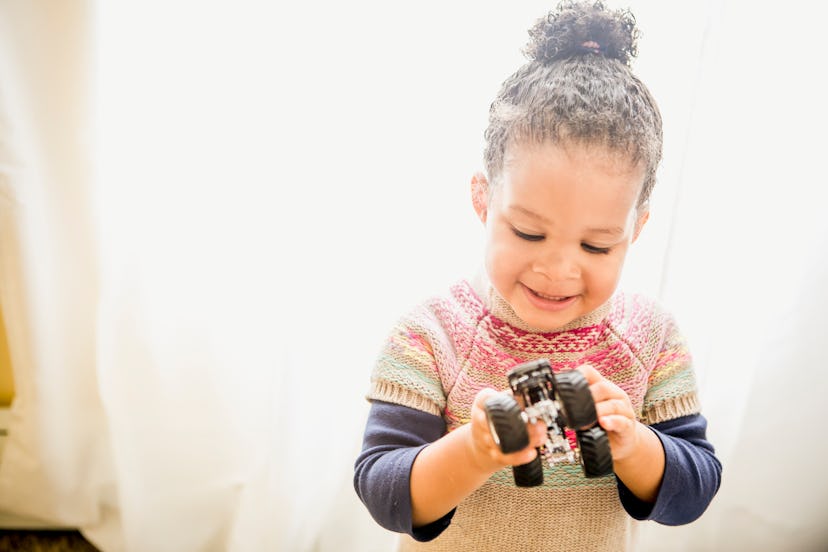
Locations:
(615, 413)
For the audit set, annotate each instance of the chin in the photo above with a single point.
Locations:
(546, 320)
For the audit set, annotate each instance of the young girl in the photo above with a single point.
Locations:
(572, 147)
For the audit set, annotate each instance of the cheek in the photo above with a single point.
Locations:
(504, 261)
(497, 258)
(605, 275)
(505, 252)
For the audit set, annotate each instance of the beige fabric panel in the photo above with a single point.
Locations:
(561, 519)
(6, 377)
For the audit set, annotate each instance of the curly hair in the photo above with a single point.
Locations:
(577, 87)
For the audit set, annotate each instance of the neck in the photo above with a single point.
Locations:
(501, 309)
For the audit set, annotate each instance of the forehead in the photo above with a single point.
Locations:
(573, 167)
(593, 178)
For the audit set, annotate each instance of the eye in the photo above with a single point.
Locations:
(595, 250)
(527, 237)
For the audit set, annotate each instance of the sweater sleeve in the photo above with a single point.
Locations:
(407, 371)
(692, 474)
(671, 386)
(394, 436)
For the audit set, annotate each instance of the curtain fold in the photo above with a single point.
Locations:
(49, 266)
(748, 248)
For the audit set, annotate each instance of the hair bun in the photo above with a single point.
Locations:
(583, 28)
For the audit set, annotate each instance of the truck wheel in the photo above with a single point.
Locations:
(596, 457)
(573, 391)
(529, 475)
(506, 423)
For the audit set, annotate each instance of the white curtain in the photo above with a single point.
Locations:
(745, 273)
(212, 213)
(55, 465)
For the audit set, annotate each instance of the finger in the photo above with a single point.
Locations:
(481, 429)
(478, 411)
(537, 434)
(590, 373)
(602, 388)
(521, 457)
(615, 424)
(605, 390)
(616, 407)
(482, 396)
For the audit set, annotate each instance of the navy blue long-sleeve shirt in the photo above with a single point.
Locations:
(395, 435)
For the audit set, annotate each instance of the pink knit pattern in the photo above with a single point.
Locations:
(442, 353)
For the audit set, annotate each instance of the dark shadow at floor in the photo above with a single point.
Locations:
(44, 541)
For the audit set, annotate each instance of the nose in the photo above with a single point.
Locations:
(557, 264)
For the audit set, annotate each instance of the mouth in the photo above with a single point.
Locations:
(549, 297)
(549, 302)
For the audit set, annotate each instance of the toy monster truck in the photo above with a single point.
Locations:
(560, 400)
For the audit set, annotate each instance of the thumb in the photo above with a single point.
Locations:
(482, 396)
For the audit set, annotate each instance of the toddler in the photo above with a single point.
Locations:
(572, 146)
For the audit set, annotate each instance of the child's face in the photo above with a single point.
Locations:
(558, 227)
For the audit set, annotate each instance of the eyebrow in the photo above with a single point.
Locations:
(611, 231)
(529, 213)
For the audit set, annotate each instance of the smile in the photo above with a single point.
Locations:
(548, 302)
(549, 297)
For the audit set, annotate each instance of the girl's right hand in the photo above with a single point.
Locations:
(485, 452)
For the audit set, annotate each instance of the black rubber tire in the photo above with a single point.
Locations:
(529, 475)
(506, 423)
(578, 407)
(541, 365)
(596, 457)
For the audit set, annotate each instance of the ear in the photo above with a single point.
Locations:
(643, 217)
(480, 195)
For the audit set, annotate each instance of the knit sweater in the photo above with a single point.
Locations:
(443, 352)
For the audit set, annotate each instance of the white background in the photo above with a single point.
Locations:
(274, 184)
